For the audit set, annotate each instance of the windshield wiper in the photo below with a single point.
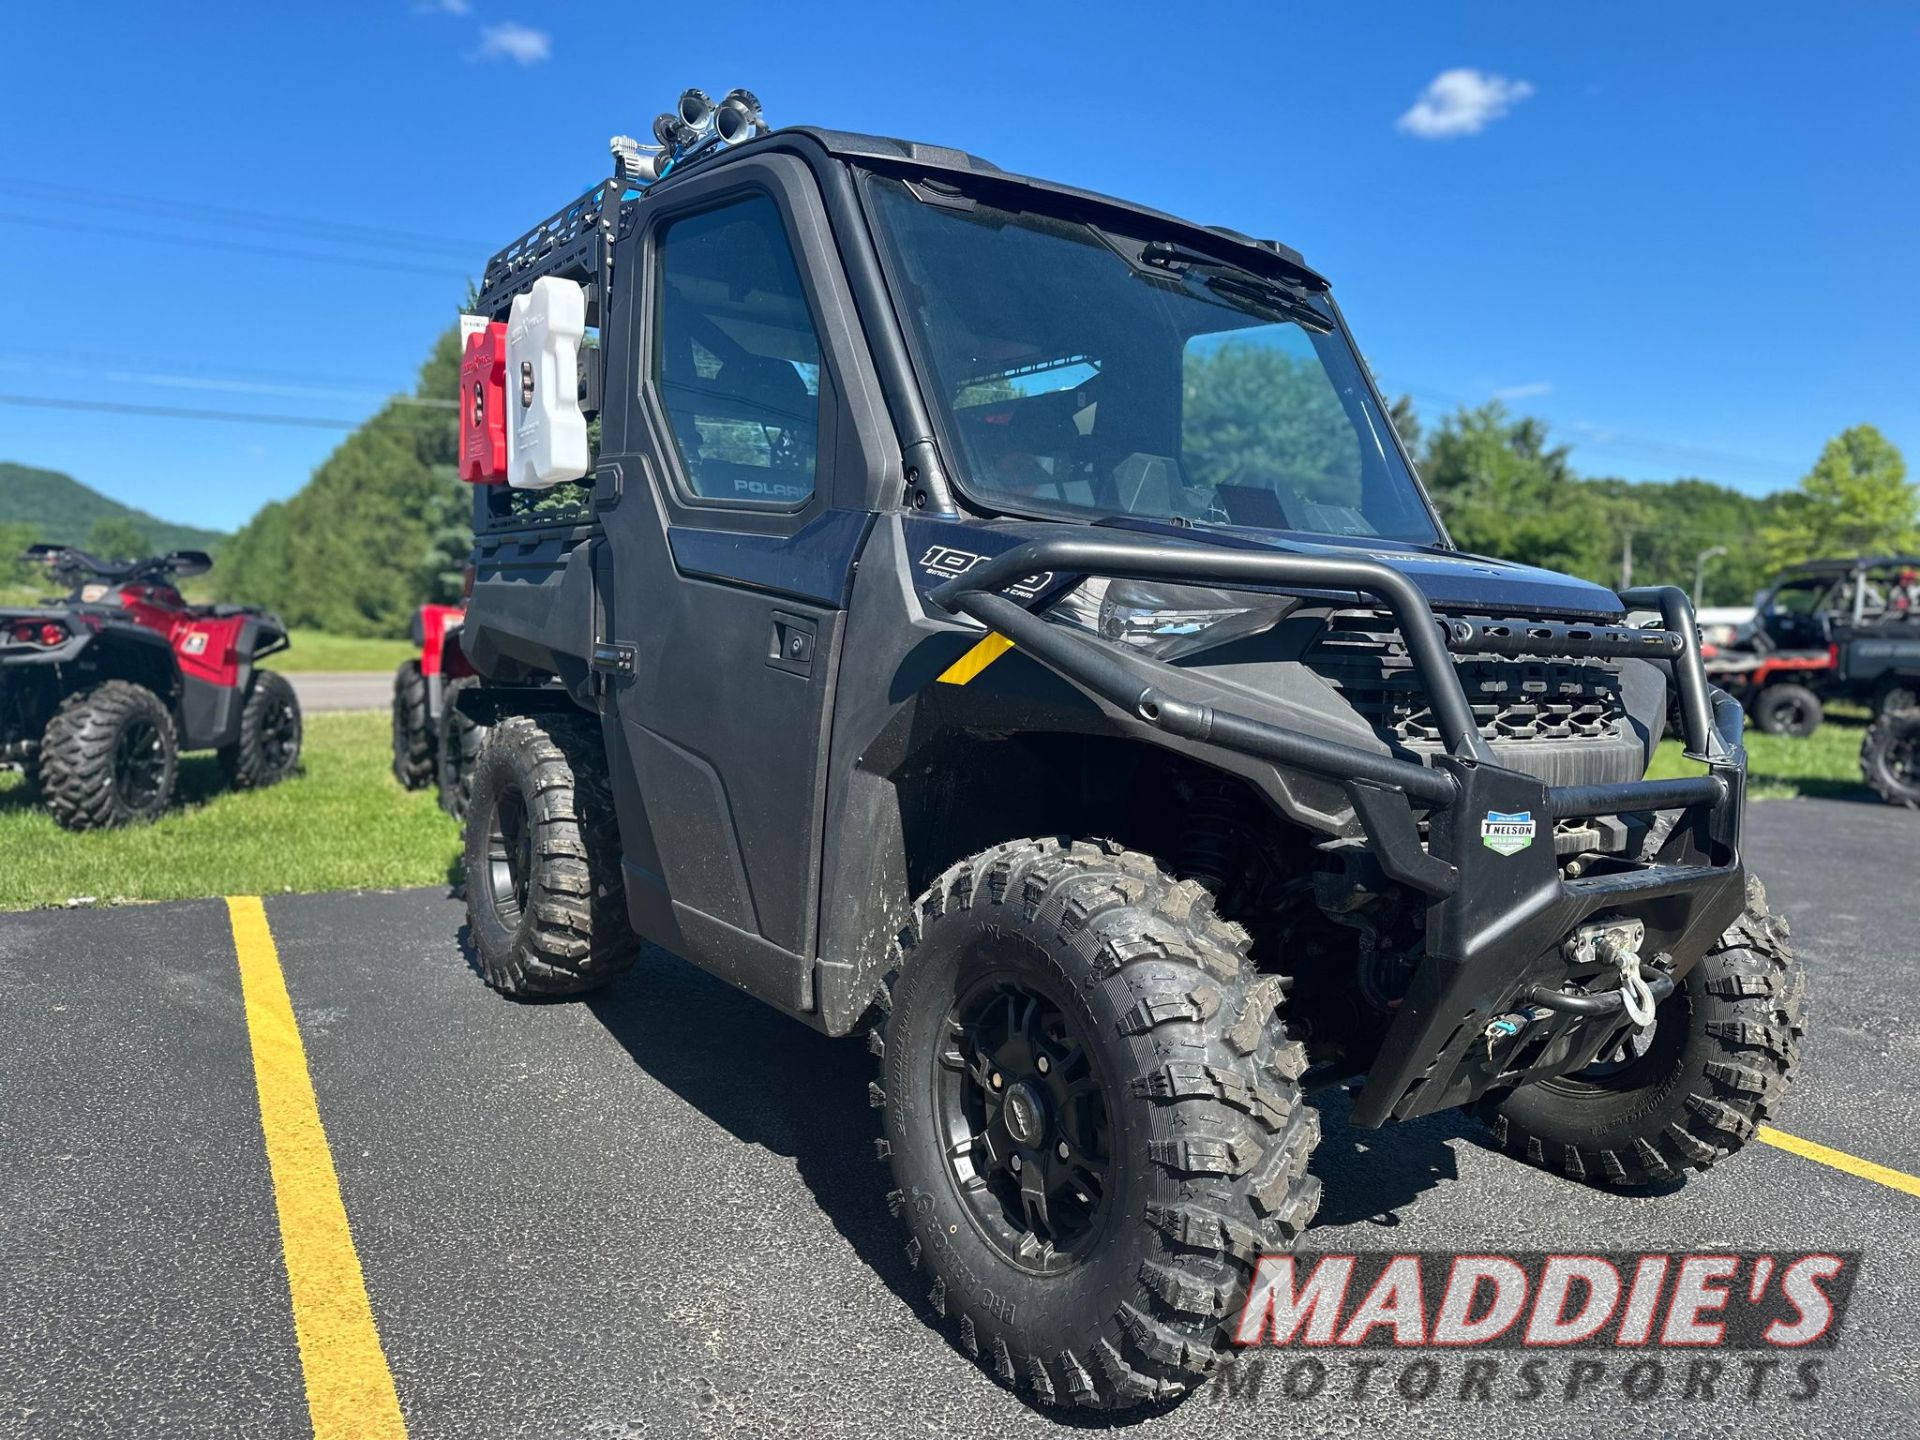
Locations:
(1237, 284)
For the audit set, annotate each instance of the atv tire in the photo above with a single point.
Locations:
(546, 905)
(412, 735)
(109, 757)
(1896, 693)
(1133, 1102)
(268, 748)
(1789, 710)
(457, 749)
(1890, 758)
(1721, 1054)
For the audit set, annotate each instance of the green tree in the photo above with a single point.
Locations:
(116, 537)
(376, 529)
(1505, 491)
(1855, 500)
(1254, 413)
(1406, 420)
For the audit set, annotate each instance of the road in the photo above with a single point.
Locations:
(658, 1213)
(345, 690)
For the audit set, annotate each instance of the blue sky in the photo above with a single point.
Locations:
(1683, 234)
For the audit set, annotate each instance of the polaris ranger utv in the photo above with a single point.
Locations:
(1001, 619)
(102, 690)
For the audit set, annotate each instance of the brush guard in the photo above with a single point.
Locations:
(1495, 1001)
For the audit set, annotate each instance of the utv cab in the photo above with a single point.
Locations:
(1001, 620)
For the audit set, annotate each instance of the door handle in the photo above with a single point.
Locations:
(791, 647)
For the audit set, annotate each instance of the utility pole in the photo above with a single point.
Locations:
(1626, 558)
(1700, 568)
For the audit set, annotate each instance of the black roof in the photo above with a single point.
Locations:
(885, 153)
(1847, 565)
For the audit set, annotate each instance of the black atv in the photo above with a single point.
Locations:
(101, 690)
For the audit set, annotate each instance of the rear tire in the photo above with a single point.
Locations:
(412, 739)
(268, 750)
(1093, 1244)
(1722, 1053)
(1790, 710)
(546, 906)
(109, 757)
(1890, 758)
(458, 749)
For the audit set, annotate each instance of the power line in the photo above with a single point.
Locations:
(245, 218)
(240, 247)
(178, 412)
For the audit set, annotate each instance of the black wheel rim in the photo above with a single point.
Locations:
(1023, 1118)
(1903, 761)
(509, 857)
(279, 735)
(1634, 1058)
(139, 763)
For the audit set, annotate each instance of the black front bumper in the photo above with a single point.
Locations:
(1498, 916)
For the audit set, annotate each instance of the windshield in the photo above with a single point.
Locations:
(1088, 371)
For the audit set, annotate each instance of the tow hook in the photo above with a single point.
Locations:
(1616, 943)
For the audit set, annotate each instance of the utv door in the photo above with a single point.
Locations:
(734, 508)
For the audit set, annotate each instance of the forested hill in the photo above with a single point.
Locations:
(382, 525)
(60, 510)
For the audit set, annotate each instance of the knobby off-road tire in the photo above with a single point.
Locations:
(268, 748)
(1790, 710)
(1895, 693)
(456, 750)
(1722, 1053)
(1204, 1148)
(109, 757)
(546, 906)
(412, 735)
(1890, 758)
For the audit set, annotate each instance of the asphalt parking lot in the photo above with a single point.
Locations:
(658, 1213)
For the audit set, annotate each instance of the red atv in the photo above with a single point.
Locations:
(433, 742)
(102, 690)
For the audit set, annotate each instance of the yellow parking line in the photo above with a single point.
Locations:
(1840, 1160)
(350, 1394)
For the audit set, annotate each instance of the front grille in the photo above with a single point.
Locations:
(1523, 700)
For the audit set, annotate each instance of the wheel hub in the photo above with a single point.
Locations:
(1028, 1136)
(1026, 1115)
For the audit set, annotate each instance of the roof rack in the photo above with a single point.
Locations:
(574, 243)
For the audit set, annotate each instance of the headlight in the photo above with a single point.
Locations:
(1167, 621)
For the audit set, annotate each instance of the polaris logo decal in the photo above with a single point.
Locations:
(1507, 834)
(195, 643)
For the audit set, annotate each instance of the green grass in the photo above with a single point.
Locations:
(341, 824)
(1825, 764)
(313, 650)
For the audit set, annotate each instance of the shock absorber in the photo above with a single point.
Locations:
(1206, 850)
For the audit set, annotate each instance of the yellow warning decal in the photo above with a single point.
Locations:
(976, 660)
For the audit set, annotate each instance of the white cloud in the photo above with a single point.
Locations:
(443, 7)
(521, 44)
(1531, 389)
(1462, 102)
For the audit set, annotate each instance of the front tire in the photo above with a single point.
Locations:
(1890, 758)
(268, 748)
(1721, 1054)
(1090, 1222)
(109, 757)
(546, 906)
